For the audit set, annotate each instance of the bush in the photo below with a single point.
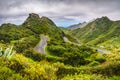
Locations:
(56, 50)
(94, 63)
(54, 59)
(84, 77)
(73, 59)
(98, 57)
(34, 55)
(7, 74)
(114, 78)
(108, 69)
(63, 71)
(26, 43)
(31, 70)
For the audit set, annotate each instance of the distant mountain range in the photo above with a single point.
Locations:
(75, 26)
(79, 25)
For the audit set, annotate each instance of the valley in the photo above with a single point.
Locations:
(43, 51)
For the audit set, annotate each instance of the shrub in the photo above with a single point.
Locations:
(94, 63)
(32, 70)
(7, 74)
(56, 50)
(114, 78)
(98, 57)
(108, 69)
(63, 71)
(54, 59)
(73, 59)
(26, 43)
(34, 55)
(84, 77)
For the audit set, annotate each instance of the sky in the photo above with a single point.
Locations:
(62, 12)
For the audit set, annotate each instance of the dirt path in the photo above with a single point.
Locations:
(40, 47)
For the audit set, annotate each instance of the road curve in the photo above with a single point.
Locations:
(101, 51)
(40, 47)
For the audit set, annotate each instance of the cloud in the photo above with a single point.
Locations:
(16, 11)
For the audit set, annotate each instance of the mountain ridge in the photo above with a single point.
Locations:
(97, 31)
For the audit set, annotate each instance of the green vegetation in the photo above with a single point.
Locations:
(64, 60)
(100, 32)
(7, 54)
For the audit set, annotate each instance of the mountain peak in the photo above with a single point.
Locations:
(46, 19)
(39, 25)
(33, 15)
(103, 18)
(32, 18)
(102, 21)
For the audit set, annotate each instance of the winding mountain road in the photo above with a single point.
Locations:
(101, 51)
(40, 47)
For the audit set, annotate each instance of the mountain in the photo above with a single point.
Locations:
(42, 25)
(99, 31)
(79, 25)
(22, 49)
(75, 26)
(32, 25)
(27, 35)
(41, 35)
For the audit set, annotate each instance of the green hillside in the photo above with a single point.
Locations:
(64, 58)
(29, 32)
(99, 31)
(42, 25)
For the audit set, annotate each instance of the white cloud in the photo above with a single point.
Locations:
(59, 10)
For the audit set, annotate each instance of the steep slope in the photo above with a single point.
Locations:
(98, 31)
(34, 25)
(43, 25)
